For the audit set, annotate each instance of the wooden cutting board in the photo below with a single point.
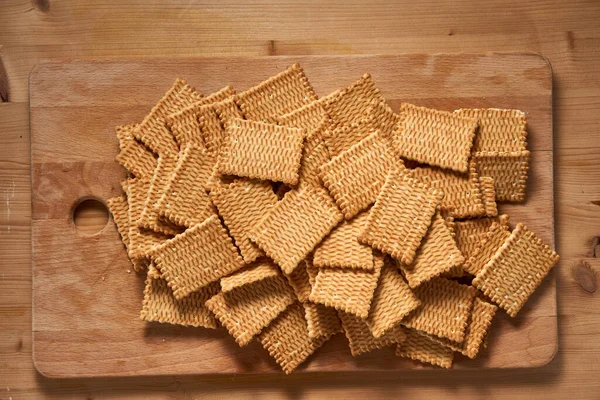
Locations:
(85, 303)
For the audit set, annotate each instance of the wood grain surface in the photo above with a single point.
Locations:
(86, 300)
(567, 34)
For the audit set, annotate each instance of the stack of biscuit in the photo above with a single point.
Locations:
(288, 218)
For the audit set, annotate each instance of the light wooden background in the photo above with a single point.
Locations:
(567, 33)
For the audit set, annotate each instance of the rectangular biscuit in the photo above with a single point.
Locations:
(348, 105)
(468, 233)
(153, 131)
(185, 124)
(434, 137)
(355, 177)
(255, 272)
(265, 151)
(287, 340)
(437, 254)
(360, 338)
(201, 255)
(347, 289)
(277, 96)
(422, 348)
(516, 270)
(392, 301)
(499, 129)
(159, 305)
(477, 329)
(487, 247)
(322, 321)
(246, 310)
(184, 201)
(242, 204)
(133, 155)
(401, 216)
(445, 309)
(295, 225)
(341, 247)
(509, 171)
(463, 196)
(150, 218)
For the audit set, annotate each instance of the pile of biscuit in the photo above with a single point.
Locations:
(289, 218)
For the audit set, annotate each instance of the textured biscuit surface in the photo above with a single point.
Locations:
(184, 201)
(487, 247)
(392, 301)
(348, 105)
(197, 257)
(314, 155)
(462, 192)
(422, 348)
(477, 329)
(119, 208)
(445, 309)
(159, 305)
(265, 151)
(382, 118)
(300, 281)
(255, 272)
(246, 310)
(295, 225)
(342, 249)
(499, 129)
(185, 123)
(308, 117)
(509, 171)
(436, 255)
(400, 217)
(434, 137)
(516, 270)
(361, 339)
(343, 137)
(322, 321)
(468, 233)
(488, 194)
(277, 96)
(150, 217)
(355, 177)
(153, 131)
(133, 155)
(141, 240)
(287, 340)
(347, 289)
(242, 204)
(213, 119)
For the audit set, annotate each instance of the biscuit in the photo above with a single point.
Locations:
(516, 270)
(434, 137)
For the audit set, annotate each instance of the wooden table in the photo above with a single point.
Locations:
(568, 35)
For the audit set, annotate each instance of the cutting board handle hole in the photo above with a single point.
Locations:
(89, 215)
